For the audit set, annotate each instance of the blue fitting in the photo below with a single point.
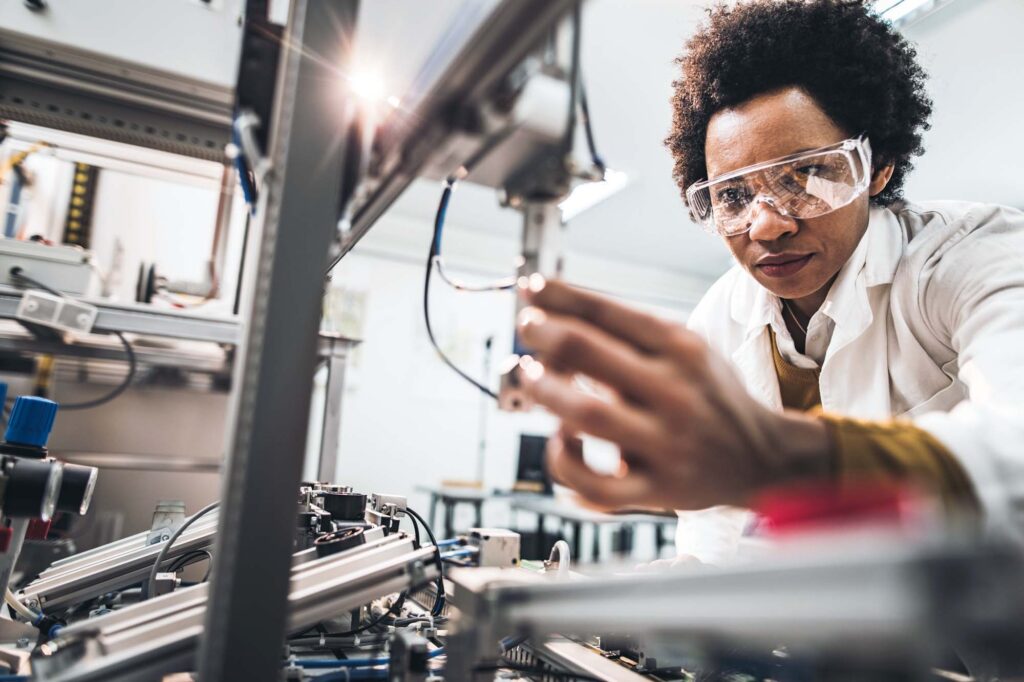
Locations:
(31, 421)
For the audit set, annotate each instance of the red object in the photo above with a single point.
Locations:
(805, 508)
(5, 538)
(37, 530)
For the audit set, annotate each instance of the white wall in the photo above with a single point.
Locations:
(407, 418)
(973, 51)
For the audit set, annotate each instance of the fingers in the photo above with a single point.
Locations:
(648, 332)
(566, 441)
(565, 462)
(612, 420)
(570, 345)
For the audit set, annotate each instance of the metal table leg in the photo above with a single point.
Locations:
(449, 518)
(434, 499)
(577, 540)
(540, 537)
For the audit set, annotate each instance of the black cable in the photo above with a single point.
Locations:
(19, 275)
(575, 79)
(439, 600)
(376, 621)
(119, 389)
(187, 559)
(416, 531)
(588, 130)
(191, 558)
(435, 250)
(150, 583)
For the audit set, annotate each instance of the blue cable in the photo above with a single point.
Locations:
(458, 553)
(339, 663)
(248, 191)
(450, 542)
(313, 663)
(14, 678)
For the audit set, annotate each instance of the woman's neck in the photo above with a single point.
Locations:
(808, 305)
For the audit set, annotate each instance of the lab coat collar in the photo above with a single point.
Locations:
(873, 263)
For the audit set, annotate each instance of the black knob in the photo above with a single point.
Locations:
(345, 506)
(36, 5)
(339, 541)
(32, 487)
(76, 488)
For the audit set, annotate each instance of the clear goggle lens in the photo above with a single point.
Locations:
(801, 186)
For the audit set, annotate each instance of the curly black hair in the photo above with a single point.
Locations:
(858, 69)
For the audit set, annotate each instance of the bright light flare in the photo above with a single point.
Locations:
(367, 85)
(590, 194)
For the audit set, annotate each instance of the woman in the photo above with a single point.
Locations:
(858, 337)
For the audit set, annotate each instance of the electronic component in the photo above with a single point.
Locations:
(56, 312)
(386, 511)
(495, 547)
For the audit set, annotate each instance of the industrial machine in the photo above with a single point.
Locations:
(316, 581)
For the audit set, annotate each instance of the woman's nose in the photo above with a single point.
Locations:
(768, 223)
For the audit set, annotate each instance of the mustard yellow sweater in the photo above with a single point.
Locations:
(893, 450)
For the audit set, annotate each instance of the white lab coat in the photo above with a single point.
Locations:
(925, 321)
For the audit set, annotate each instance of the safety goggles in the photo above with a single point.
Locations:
(804, 185)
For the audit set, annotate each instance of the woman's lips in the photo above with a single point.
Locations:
(785, 268)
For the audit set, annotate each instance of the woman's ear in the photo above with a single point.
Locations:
(880, 179)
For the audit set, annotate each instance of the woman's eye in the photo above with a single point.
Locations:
(730, 196)
(812, 169)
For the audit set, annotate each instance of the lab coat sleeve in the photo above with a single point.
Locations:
(972, 295)
(711, 535)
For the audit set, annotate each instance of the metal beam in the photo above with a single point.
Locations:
(297, 218)
(503, 40)
(59, 86)
(143, 319)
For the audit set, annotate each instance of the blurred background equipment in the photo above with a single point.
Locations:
(219, 434)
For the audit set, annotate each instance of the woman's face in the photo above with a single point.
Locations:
(792, 258)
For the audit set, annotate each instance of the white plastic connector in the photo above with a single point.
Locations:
(47, 310)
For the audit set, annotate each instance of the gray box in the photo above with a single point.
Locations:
(64, 268)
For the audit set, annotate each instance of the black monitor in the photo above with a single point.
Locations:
(532, 469)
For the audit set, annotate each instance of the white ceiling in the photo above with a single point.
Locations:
(971, 48)
(974, 53)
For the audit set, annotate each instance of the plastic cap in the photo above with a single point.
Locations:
(31, 421)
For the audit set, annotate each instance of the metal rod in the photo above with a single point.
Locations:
(334, 393)
(298, 212)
